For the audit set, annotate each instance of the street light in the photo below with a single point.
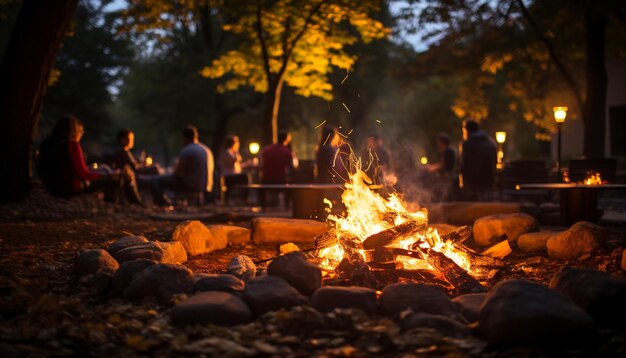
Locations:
(500, 138)
(254, 148)
(560, 112)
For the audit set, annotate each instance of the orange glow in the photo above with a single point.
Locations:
(593, 179)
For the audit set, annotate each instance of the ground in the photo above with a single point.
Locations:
(45, 311)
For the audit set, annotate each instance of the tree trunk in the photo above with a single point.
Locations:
(272, 106)
(594, 111)
(28, 60)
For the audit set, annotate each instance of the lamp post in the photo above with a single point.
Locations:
(560, 112)
(500, 138)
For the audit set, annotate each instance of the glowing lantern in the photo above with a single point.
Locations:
(254, 148)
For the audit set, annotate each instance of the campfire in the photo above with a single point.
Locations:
(380, 236)
(592, 178)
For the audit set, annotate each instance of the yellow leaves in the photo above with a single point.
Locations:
(55, 74)
(493, 64)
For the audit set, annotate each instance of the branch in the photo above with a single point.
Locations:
(259, 31)
(552, 53)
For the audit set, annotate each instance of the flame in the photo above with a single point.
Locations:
(593, 179)
(366, 214)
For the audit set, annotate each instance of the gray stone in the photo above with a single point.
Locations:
(419, 297)
(161, 281)
(523, 312)
(469, 305)
(271, 293)
(294, 268)
(488, 229)
(241, 266)
(598, 293)
(214, 307)
(444, 325)
(127, 271)
(125, 242)
(535, 241)
(580, 239)
(89, 262)
(164, 252)
(328, 298)
(218, 282)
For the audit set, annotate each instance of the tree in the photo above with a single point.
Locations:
(292, 42)
(24, 73)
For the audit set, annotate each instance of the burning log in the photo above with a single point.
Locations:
(327, 239)
(394, 234)
(458, 235)
(456, 275)
(354, 264)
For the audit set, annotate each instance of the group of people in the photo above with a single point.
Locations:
(62, 166)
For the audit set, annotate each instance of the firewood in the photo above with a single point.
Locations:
(499, 250)
(457, 235)
(456, 275)
(327, 239)
(394, 234)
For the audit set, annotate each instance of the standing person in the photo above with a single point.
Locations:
(64, 172)
(325, 155)
(376, 159)
(447, 157)
(478, 162)
(193, 171)
(230, 159)
(278, 160)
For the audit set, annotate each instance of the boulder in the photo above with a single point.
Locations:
(161, 281)
(444, 325)
(89, 262)
(211, 307)
(601, 295)
(232, 235)
(466, 212)
(281, 230)
(125, 242)
(328, 298)
(127, 271)
(419, 297)
(194, 236)
(488, 229)
(535, 241)
(580, 239)
(469, 305)
(164, 252)
(271, 293)
(294, 268)
(241, 266)
(218, 282)
(523, 312)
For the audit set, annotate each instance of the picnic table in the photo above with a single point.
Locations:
(579, 202)
(307, 199)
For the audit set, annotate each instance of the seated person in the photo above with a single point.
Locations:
(193, 171)
(64, 173)
(277, 160)
(123, 155)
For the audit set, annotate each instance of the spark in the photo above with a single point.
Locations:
(378, 120)
(328, 136)
(351, 130)
(343, 135)
(321, 124)
(346, 107)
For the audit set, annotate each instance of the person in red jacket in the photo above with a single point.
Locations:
(62, 167)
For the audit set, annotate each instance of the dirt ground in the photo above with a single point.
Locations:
(44, 311)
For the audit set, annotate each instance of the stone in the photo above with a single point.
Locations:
(535, 241)
(328, 298)
(194, 236)
(524, 312)
(281, 230)
(288, 247)
(125, 242)
(488, 229)
(218, 282)
(601, 295)
(580, 239)
(271, 293)
(467, 212)
(89, 262)
(469, 305)
(234, 235)
(164, 252)
(444, 325)
(161, 281)
(419, 297)
(212, 307)
(241, 266)
(127, 271)
(294, 268)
